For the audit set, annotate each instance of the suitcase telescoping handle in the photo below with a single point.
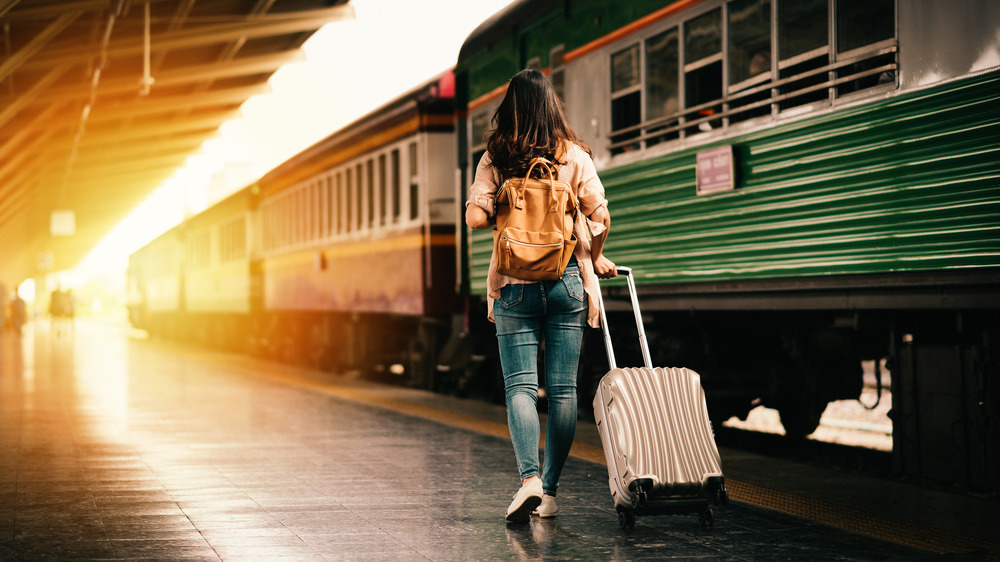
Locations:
(643, 344)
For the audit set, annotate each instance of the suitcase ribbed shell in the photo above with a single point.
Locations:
(654, 425)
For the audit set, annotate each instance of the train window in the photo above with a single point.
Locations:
(299, 215)
(396, 189)
(662, 93)
(223, 243)
(331, 206)
(232, 240)
(480, 124)
(626, 98)
(308, 213)
(337, 202)
(290, 224)
(287, 226)
(802, 27)
(293, 218)
(556, 72)
(414, 183)
(288, 220)
(865, 25)
(803, 31)
(349, 200)
(240, 238)
(381, 189)
(282, 224)
(724, 74)
(273, 232)
(860, 24)
(749, 32)
(749, 40)
(319, 220)
(304, 211)
(359, 196)
(311, 211)
(267, 232)
(371, 192)
(703, 71)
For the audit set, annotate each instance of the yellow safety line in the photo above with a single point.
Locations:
(849, 519)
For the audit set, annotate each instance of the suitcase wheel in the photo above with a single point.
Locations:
(626, 519)
(706, 518)
(640, 491)
(721, 496)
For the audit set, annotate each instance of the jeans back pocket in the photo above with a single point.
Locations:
(574, 284)
(511, 295)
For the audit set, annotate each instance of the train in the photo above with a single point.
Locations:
(799, 187)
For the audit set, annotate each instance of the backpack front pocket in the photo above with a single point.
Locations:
(522, 251)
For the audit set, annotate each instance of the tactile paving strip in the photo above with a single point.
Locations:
(861, 522)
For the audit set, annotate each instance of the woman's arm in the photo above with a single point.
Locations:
(481, 201)
(476, 217)
(604, 267)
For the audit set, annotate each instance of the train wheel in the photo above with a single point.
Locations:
(801, 418)
(318, 350)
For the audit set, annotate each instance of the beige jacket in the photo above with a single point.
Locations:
(579, 172)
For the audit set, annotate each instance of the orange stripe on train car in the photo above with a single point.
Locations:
(351, 249)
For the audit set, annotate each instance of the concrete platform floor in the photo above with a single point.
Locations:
(116, 448)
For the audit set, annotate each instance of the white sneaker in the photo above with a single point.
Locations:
(525, 501)
(547, 508)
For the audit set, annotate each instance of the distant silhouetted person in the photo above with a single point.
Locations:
(18, 313)
(61, 310)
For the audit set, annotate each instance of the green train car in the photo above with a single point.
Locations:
(800, 186)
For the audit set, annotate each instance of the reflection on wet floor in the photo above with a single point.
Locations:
(116, 448)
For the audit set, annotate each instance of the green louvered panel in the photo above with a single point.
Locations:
(910, 183)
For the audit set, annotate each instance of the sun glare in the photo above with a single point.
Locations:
(351, 68)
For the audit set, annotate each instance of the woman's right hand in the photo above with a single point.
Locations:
(605, 268)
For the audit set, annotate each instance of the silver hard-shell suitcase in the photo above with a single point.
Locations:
(657, 435)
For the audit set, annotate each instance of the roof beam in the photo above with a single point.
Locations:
(6, 6)
(28, 11)
(26, 154)
(100, 135)
(262, 26)
(128, 147)
(265, 64)
(18, 141)
(143, 107)
(31, 49)
(110, 168)
(11, 109)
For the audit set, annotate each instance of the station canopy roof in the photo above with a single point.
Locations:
(82, 127)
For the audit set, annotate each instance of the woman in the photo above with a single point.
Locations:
(530, 123)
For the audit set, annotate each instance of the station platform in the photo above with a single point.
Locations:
(113, 447)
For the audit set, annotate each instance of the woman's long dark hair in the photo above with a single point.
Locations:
(529, 123)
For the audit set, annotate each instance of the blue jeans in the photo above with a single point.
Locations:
(527, 314)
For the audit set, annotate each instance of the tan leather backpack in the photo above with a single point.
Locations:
(534, 239)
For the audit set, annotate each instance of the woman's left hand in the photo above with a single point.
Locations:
(605, 268)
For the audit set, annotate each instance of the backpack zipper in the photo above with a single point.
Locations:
(509, 241)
